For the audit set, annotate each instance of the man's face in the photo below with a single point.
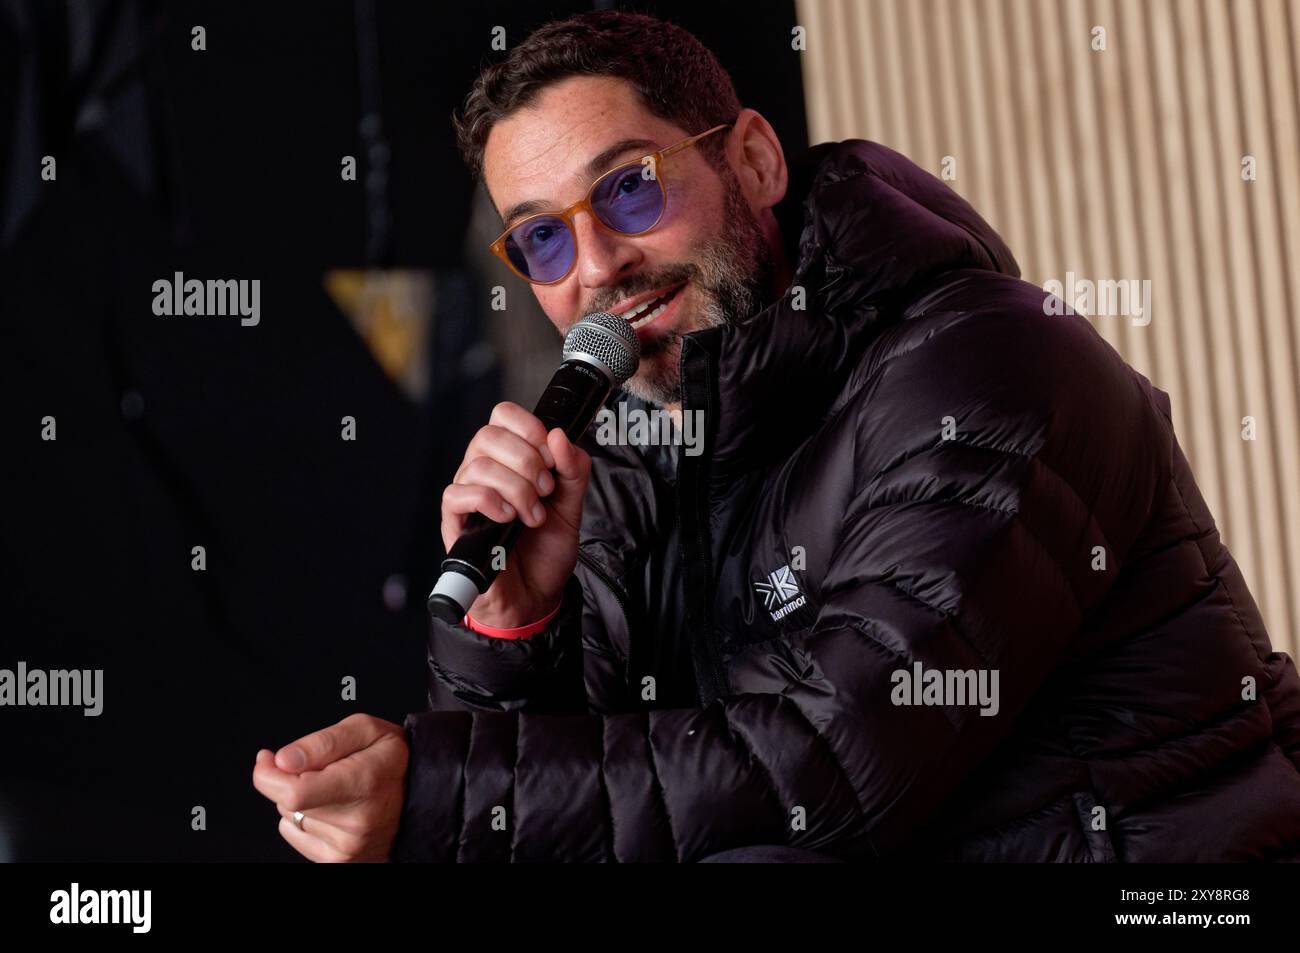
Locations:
(707, 256)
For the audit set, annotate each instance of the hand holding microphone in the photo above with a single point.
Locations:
(513, 469)
(521, 484)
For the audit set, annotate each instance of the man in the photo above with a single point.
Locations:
(940, 583)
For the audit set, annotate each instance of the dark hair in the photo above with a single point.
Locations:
(677, 77)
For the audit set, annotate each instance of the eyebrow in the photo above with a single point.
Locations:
(599, 164)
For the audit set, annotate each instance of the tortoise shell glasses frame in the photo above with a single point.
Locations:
(542, 248)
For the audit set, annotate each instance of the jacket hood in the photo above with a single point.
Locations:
(866, 230)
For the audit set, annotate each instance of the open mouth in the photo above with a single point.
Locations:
(647, 311)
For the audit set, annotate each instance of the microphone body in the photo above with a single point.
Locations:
(600, 352)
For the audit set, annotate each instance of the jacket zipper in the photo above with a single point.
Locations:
(617, 590)
(699, 480)
(619, 596)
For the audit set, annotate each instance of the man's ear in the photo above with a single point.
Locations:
(758, 160)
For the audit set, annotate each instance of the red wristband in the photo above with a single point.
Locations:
(518, 632)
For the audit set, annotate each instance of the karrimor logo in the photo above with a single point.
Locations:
(780, 588)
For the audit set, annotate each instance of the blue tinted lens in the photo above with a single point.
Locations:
(541, 248)
(627, 201)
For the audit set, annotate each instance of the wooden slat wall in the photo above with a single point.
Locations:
(1117, 164)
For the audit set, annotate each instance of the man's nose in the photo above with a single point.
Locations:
(603, 257)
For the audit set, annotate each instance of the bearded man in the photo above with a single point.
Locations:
(940, 583)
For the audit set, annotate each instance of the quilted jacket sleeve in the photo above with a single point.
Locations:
(969, 543)
(470, 671)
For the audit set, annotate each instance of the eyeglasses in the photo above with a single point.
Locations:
(629, 199)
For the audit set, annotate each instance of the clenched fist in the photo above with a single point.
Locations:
(514, 468)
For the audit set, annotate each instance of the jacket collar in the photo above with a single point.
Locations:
(863, 225)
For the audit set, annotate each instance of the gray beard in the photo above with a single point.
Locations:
(732, 274)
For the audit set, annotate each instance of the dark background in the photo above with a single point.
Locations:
(184, 431)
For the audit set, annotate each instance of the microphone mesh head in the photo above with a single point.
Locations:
(606, 340)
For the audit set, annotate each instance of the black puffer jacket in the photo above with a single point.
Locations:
(920, 467)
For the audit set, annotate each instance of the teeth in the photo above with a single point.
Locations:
(633, 313)
(629, 315)
(651, 316)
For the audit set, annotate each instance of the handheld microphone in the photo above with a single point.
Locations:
(601, 351)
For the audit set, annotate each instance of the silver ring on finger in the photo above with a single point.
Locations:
(297, 819)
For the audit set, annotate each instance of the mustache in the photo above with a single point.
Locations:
(641, 283)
